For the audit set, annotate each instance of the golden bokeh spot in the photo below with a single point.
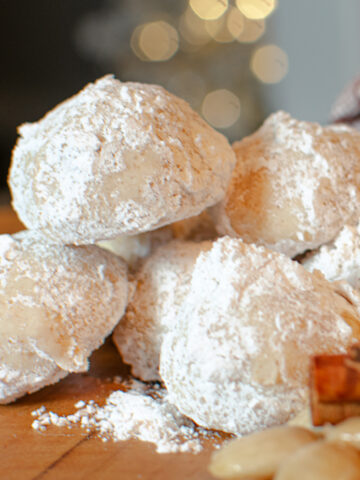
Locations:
(218, 30)
(252, 31)
(155, 41)
(269, 63)
(256, 9)
(134, 43)
(209, 9)
(192, 28)
(235, 22)
(221, 108)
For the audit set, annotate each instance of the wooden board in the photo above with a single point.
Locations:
(61, 453)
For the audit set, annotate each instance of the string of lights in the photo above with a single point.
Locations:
(208, 52)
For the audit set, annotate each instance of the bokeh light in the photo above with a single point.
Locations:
(219, 31)
(209, 9)
(134, 43)
(252, 31)
(221, 108)
(235, 22)
(269, 63)
(192, 28)
(256, 9)
(155, 41)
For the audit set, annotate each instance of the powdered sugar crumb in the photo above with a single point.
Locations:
(142, 412)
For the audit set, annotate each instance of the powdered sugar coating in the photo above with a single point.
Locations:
(340, 259)
(294, 186)
(57, 304)
(34, 371)
(237, 357)
(159, 287)
(117, 158)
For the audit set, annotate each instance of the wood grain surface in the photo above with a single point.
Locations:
(62, 453)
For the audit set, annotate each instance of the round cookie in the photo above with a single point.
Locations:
(237, 357)
(159, 286)
(117, 158)
(294, 186)
(57, 304)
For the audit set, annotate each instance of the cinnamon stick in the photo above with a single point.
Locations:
(335, 387)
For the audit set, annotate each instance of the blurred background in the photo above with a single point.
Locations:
(234, 61)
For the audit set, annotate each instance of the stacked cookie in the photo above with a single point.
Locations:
(228, 323)
(58, 303)
(117, 158)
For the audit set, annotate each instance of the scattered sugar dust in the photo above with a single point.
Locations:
(142, 412)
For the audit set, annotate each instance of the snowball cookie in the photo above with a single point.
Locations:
(117, 158)
(237, 356)
(294, 186)
(57, 304)
(134, 248)
(159, 287)
(340, 259)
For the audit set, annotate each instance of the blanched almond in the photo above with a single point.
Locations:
(258, 456)
(347, 431)
(321, 461)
